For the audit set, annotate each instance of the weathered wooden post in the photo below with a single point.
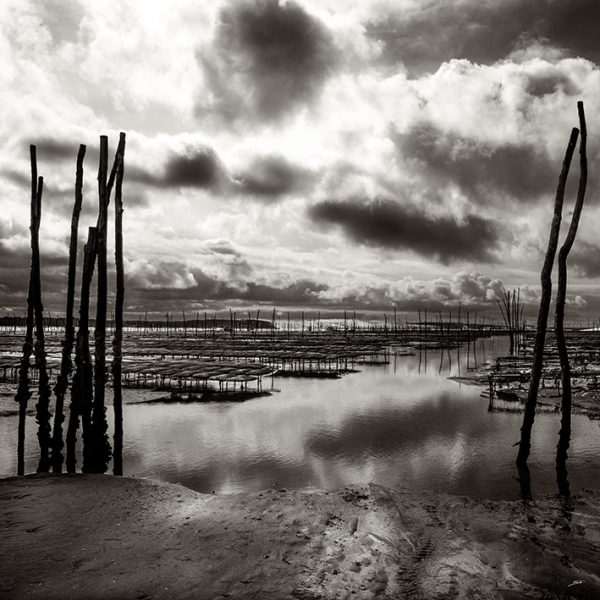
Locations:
(82, 391)
(23, 394)
(98, 458)
(564, 437)
(119, 302)
(66, 364)
(42, 407)
(542, 321)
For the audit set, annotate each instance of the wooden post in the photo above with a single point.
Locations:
(98, 458)
(82, 391)
(565, 367)
(23, 394)
(542, 321)
(66, 364)
(42, 407)
(119, 302)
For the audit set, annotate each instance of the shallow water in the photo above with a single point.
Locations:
(405, 424)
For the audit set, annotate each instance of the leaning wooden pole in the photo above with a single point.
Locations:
(82, 393)
(66, 364)
(23, 394)
(42, 408)
(542, 321)
(100, 448)
(119, 301)
(564, 436)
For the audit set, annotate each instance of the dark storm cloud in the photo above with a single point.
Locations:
(585, 257)
(199, 169)
(485, 32)
(272, 176)
(15, 264)
(269, 57)
(520, 171)
(49, 149)
(387, 224)
(64, 150)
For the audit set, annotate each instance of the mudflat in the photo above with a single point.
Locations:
(94, 536)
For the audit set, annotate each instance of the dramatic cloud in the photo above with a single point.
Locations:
(549, 81)
(481, 170)
(54, 150)
(200, 168)
(585, 257)
(170, 282)
(471, 290)
(272, 176)
(250, 121)
(423, 37)
(269, 57)
(387, 224)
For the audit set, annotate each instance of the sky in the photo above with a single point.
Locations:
(360, 154)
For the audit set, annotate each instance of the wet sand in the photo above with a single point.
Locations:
(107, 537)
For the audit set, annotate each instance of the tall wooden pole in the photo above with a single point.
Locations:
(42, 408)
(119, 302)
(565, 367)
(100, 454)
(82, 394)
(542, 321)
(66, 364)
(23, 394)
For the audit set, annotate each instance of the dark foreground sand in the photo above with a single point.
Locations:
(107, 537)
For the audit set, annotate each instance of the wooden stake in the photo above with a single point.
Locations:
(542, 322)
(100, 450)
(82, 392)
(563, 254)
(66, 364)
(119, 302)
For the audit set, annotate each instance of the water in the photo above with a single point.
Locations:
(403, 425)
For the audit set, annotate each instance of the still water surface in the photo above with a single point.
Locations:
(404, 424)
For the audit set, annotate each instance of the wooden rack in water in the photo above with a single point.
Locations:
(187, 362)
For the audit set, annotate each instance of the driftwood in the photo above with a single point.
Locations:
(542, 321)
(561, 344)
(66, 364)
(119, 300)
(82, 390)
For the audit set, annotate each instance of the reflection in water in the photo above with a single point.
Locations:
(402, 425)
(524, 479)
(562, 480)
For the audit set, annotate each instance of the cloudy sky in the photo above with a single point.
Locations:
(310, 153)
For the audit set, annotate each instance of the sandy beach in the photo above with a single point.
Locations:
(107, 537)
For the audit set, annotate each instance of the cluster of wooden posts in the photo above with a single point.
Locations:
(542, 321)
(88, 380)
(511, 309)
